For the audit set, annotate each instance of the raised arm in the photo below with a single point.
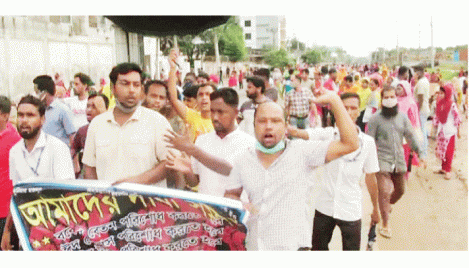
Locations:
(348, 131)
(178, 105)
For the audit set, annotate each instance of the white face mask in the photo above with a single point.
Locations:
(389, 103)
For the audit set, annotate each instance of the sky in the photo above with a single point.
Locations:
(359, 26)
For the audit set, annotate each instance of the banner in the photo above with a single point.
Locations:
(92, 215)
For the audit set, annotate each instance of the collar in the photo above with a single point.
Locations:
(40, 143)
(109, 115)
(229, 135)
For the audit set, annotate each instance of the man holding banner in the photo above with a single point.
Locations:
(275, 176)
(37, 155)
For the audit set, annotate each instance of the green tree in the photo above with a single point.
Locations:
(278, 58)
(232, 42)
(311, 57)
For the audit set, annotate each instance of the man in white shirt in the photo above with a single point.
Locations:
(275, 176)
(126, 144)
(38, 155)
(422, 97)
(339, 202)
(226, 142)
(77, 103)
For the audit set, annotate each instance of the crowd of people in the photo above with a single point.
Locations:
(194, 135)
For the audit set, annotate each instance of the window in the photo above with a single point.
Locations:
(247, 23)
(93, 21)
(247, 36)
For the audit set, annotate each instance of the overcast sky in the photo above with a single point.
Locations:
(358, 26)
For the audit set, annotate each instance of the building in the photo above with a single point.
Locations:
(36, 45)
(263, 32)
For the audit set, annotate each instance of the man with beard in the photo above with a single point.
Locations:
(126, 144)
(255, 92)
(58, 117)
(275, 175)
(271, 91)
(226, 143)
(96, 105)
(37, 156)
(388, 127)
(156, 98)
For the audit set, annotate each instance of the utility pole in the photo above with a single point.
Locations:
(418, 57)
(432, 52)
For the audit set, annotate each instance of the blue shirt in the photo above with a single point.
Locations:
(59, 121)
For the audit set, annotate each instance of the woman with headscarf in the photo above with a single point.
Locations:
(408, 106)
(447, 122)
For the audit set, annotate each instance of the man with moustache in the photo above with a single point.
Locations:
(275, 176)
(256, 93)
(96, 105)
(37, 156)
(126, 144)
(388, 127)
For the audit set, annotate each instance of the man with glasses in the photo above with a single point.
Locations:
(340, 199)
(125, 144)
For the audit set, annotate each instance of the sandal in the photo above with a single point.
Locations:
(439, 171)
(385, 232)
(447, 176)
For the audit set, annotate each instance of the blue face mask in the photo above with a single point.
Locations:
(278, 147)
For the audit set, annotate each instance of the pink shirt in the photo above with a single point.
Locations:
(8, 138)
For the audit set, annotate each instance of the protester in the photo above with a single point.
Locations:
(96, 105)
(447, 121)
(198, 120)
(406, 105)
(190, 97)
(422, 97)
(255, 90)
(202, 78)
(78, 103)
(156, 98)
(270, 91)
(37, 156)
(306, 82)
(131, 134)
(374, 100)
(275, 176)
(299, 104)
(233, 81)
(339, 201)
(227, 142)
(58, 117)
(388, 127)
(8, 137)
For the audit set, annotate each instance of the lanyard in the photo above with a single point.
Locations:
(34, 170)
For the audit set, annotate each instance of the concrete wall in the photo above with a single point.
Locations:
(30, 47)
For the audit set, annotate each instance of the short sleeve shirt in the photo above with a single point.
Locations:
(59, 121)
(119, 152)
(198, 125)
(280, 195)
(423, 88)
(78, 108)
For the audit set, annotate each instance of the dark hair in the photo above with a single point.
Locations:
(332, 70)
(85, 79)
(155, 82)
(106, 100)
(418, 68)
(324, 70)
(257, 81)
(5, 105)
(375, 80)
(348, 78)
(45, 83)
(305, 70)
(264, 72)
(348, 95)
(191, 92)
(402, 70)
(208, 84)
(204, 75)
(229, 96)
(124, 68)
(30, 99)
